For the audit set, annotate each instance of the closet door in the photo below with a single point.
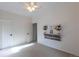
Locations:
(20, 32)
(7, 34)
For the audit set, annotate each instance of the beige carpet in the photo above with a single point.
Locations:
(34, 50)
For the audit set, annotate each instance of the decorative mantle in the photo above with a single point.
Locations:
(52, 37)
(53, 33)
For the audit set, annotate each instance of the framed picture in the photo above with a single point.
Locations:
(45, 28)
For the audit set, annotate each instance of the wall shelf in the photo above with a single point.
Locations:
(53, 37)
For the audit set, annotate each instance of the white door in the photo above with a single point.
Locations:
(20, 32)
(15, 32)
(7, 34)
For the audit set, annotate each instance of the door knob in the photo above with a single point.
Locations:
(10, 34)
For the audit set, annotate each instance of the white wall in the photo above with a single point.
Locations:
(0, 35)
(19, 26)
(66, 14)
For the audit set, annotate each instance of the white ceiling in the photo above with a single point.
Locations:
(18, 7)
(14, 7)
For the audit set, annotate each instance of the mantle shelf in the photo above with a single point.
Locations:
(53, 37)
